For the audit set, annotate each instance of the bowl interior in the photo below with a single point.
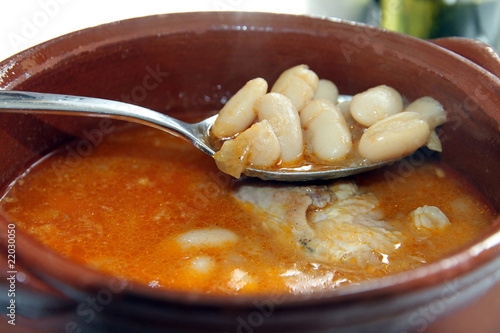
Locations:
(184, 63)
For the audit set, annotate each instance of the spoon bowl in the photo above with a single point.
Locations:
(198, 134)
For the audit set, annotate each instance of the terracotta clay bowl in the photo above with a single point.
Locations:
(198, 60)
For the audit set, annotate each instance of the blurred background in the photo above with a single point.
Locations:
(29, 22)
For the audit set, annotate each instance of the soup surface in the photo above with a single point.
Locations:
(149, 207)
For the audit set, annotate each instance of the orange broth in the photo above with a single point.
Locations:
(119, 208)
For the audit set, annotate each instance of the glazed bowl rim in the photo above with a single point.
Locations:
(481, 252)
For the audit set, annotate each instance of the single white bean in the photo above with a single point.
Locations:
(285, 121)
(257, 147)
(394, 137)
(326, 133)
(238, 113)
(206, 238)
(375, 104)
(202, 264)
(430, 109)
(327, 90)
(434, 143)
(344, 107)
(298, 83)
(265, 149)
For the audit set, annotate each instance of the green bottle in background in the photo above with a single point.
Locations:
(443, 18)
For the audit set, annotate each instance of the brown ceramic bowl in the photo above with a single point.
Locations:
(197, 60)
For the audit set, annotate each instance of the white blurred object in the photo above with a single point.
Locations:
(354, 10)
(29, 22)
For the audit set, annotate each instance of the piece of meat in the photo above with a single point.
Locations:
(336, 223)
(429, 217)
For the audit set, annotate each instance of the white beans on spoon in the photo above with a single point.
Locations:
(375, 104)
(257, 146)
(285, 121)
(433, 112)
(434, 143)
(299, 123)
(272, 151)
(298, 83)
(430, 109)
(394, 137)
(238, 113)
(326, 133)
(327, 90)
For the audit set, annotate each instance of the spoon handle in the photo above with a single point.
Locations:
(44, 103)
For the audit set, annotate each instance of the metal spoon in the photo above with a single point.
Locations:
(197, 134)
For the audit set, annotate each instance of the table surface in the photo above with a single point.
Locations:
(482, 316)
